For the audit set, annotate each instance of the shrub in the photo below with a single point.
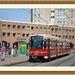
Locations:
(14, 55)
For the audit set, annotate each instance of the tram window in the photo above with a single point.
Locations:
(44, 44)
(54, 44)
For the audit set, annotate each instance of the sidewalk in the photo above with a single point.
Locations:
(13, 60)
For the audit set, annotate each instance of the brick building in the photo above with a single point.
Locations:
(9, 31)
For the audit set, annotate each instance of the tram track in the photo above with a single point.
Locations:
(52, 62)
(57, 62)
(63, 61)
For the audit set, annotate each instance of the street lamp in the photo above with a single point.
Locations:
(46, 24)
(18, 35)
(0, 37)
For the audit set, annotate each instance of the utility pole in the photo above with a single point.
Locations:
(62, 27)
(18, 35)
(46, 21)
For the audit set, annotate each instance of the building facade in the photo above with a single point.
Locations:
(53, 16)
(9, 31)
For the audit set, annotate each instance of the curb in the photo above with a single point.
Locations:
(11, 64)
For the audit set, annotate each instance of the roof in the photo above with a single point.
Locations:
(22, 22)
(34, 23)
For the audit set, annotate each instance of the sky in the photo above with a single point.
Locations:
(14, 14)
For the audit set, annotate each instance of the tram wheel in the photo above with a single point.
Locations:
(57, 56)
(30, 58)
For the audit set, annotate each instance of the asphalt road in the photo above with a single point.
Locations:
(68, 60)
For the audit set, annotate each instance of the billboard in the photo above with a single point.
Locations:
(23, 49)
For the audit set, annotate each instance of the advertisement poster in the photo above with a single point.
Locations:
(23, 49)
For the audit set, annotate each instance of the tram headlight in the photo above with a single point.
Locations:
(45, 57)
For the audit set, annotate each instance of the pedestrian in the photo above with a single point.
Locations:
(9, 53)
(3, 50)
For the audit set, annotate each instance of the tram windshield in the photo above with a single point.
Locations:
(36, 42)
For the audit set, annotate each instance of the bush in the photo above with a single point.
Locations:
(14, 55)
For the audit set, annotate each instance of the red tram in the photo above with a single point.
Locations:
(47, 46)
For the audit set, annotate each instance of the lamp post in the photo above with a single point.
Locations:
(46, 24)
(45, 21)
(0, 37)
(18, 35)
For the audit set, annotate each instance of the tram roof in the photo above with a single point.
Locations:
(51, 37)
(47, 36)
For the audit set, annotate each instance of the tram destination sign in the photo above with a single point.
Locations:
(37, 37)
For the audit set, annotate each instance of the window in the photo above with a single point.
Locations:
(40, 28)
(14, 34)
(23, 27)
(64, 22)
(32, 28)
(59, 10)
(66, 30)
(27, 35)
(9, 26)
(34, 15)
(45, 43)
(44, 28)
(69, 37)
(66, 37)
(19, 27)
(59, 29)
(35, 10)
(4, 33)
(64, 10)
(38, 9)
(71, 11)
(59, 16)
(59, 36)
(52, 17)
(38, 15)
(72, 37)
(74, 23)
(52, 11)
(34, 20)
(56, 29)
(64, 16)
(8, 34)
(36, 28)
(72, 30)
(23, 35)
(39, 21)
(71, 23)
(28, 27)
(3, 25)
(56, 35)
(14, 26)
(59, 22)
(48, 29)
(71, 17)
(52, 29)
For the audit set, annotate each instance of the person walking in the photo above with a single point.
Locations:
(3, 50)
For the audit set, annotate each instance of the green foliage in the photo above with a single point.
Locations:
(14, 55)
